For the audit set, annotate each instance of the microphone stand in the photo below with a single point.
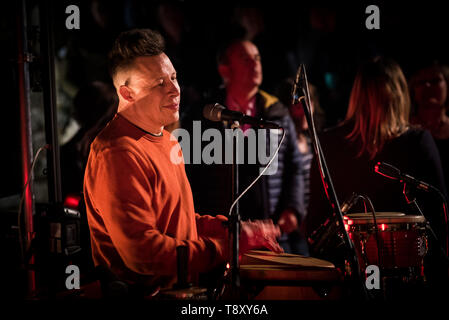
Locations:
(301, 80)
(411, 200)
(234, 218)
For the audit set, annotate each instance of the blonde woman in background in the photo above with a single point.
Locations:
(376, 129)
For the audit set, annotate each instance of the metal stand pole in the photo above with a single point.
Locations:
(51, 126)
(25, 132)
(234, 220)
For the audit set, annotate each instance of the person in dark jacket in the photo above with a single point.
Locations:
(429, 86)
(278, 195)
(377, 129)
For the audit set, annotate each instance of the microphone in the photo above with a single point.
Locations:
(391, 172)
(349, 203)
(298, 84)
(217, 112)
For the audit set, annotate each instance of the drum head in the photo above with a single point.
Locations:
(284, 260)
(258, 265)
(369, 215)
(384, 217)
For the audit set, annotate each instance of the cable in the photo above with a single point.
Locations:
(260, 174)
(445, 216)
(376, 227)
(447, 228)
(348, 204)
(19, 213)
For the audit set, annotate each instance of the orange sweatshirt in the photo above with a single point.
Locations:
(140, 208)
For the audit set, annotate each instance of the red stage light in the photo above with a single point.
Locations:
(72, 201)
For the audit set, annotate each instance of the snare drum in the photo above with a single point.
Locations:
(267, 275)
(402, 239)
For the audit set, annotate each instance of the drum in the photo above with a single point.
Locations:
(267, 275)
(401, 240)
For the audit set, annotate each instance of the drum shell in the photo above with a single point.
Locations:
(264, 280)
(402, 241)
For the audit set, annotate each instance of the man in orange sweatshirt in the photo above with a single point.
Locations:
(139, 202)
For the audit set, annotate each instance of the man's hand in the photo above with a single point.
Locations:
(288, 221)
(259, 234)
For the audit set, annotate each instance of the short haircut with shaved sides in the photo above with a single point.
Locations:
(132, 44)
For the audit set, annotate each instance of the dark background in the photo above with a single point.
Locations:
(331, 39)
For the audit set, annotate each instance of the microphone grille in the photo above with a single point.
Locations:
(212, 111)
(387, 170)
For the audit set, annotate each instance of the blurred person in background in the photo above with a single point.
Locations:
(377, 129)
(430, 101)
(94, 106)
(275, 196)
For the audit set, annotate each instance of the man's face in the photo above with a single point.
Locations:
(245, 68)
(430, 89)
(155, 91)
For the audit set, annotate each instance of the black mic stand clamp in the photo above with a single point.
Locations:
(410, 198)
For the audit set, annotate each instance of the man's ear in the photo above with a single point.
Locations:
(126, 93)
(224, 72)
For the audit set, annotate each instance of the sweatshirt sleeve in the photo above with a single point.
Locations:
(209, 226)
(214, 229)
(122, 194)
